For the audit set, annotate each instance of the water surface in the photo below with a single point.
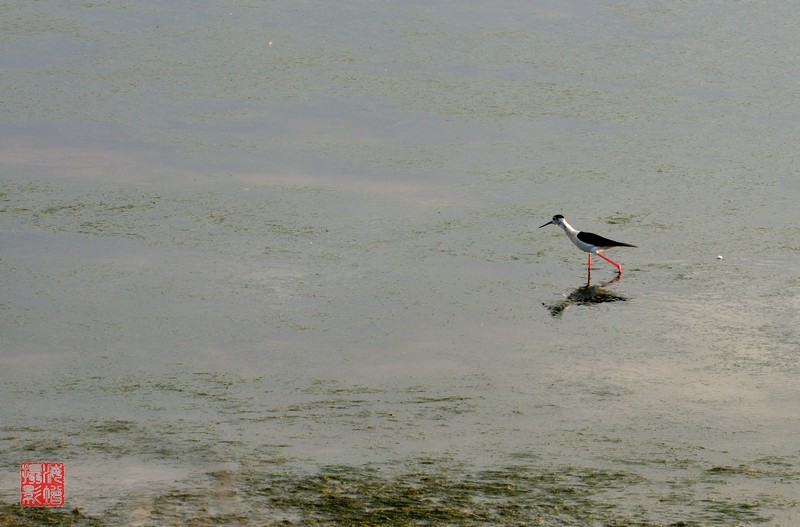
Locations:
(279, 262)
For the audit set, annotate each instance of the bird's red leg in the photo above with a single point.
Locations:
(612, 262)
(589, 262)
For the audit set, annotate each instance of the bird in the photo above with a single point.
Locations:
(588, 242)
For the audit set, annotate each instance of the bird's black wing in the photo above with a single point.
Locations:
(598, 241)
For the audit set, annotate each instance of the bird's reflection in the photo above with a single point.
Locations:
(586, 295)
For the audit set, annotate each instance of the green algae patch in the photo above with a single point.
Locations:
(368, 497)
(420, 494)
(18, 516)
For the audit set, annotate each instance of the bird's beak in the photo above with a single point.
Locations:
(546, 224)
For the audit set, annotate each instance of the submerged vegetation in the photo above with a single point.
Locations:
(372, 496)
(17, 516)
(343, 496)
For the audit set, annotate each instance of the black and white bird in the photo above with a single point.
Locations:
(588, 242)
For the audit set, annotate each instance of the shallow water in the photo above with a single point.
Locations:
(281, 262)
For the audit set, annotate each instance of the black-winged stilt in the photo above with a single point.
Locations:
(588, 242)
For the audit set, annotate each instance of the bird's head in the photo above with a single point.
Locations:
(558, 220)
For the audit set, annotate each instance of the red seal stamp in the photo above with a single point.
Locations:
(41, 484)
